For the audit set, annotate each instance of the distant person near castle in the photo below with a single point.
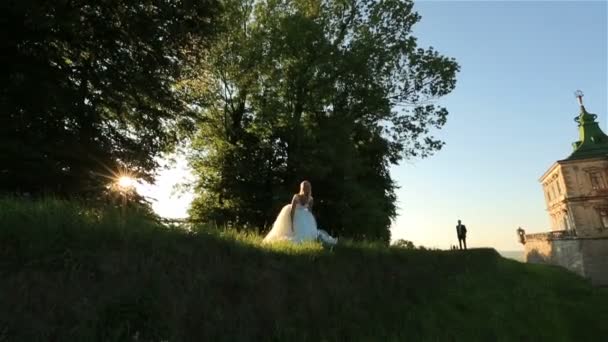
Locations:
(461, 232)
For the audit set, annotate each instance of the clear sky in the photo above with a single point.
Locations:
(511, 117)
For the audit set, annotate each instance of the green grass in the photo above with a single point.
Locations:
(68, 273)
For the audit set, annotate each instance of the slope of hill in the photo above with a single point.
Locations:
(68, 273)
(515, 255)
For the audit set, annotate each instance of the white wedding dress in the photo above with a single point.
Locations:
(304, 227)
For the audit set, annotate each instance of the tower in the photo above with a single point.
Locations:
(576, 197)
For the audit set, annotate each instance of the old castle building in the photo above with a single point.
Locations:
(576, 195)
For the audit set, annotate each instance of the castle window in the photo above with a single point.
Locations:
(604, 217)
(596, 180)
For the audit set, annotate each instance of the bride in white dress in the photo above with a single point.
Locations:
(296, 222)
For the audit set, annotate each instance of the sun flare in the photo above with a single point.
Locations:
(125, 182)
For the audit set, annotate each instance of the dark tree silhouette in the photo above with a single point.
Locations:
(88, 88)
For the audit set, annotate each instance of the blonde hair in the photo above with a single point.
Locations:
(305, 185)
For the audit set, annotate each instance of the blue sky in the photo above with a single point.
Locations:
(511, 117)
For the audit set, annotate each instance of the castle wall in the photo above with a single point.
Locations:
(586, 257)
(565, 253)
(577, 180)
(554, 189)
(576, 195)
(538, 251)
(587, 217)
(595, 256)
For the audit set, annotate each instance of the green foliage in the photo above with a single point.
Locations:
(401, 243)
(329, 91)
(83, 276)
(87, 88)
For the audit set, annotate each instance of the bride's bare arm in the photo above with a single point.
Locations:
(294, 201)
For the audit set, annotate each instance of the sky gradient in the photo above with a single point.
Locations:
(511, 117)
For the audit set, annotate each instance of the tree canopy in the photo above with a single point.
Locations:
(332, 91)
(88, 88)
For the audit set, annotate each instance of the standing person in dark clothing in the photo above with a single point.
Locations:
(461, 231)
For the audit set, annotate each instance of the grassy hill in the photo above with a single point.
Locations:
(515, 255)
(68, 273)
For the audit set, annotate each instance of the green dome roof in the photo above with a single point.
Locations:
(592, 140)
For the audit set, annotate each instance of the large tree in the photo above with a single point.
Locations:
(88, 88)
(333, 91)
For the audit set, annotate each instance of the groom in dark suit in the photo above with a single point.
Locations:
(461, 231)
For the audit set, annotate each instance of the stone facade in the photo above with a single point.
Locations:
(576, 195)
